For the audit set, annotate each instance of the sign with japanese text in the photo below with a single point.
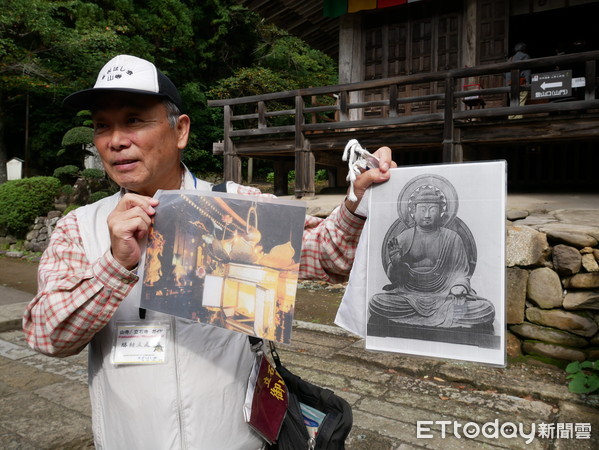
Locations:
(551, 84)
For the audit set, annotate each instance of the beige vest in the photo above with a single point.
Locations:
(195, 400)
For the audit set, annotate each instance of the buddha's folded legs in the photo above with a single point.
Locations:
(472, 313)
(391, 306)
(445, 312)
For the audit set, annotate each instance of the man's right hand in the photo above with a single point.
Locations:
(128, 224)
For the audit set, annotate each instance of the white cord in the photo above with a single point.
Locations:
(359, 159)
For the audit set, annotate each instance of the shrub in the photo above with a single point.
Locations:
(69, 209)
(66, 174)
(21, 201)
(270, 177)
(322, 175)
(67, 189)
(78, 136)
(95, 174)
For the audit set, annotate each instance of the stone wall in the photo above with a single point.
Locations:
(553, 285)
(39, 235)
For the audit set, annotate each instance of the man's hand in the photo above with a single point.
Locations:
(368, 177)
(128, 224)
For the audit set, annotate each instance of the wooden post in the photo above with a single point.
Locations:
(449, 150)
(591, 77)
(27, 135)
(280, 182)
(231, 162)
(343, 110)
(458, 148)
(469, 41)
(309, 171)
(341, 176)
(304, 159)
(250, 170)
(261, 115)
(514, 88)
(393, 100)
(351, 57)
(331, 178)
(469, 38)
(299, 146)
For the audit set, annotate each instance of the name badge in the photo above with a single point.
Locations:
(140, 344)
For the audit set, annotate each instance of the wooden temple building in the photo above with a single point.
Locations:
(428, 78)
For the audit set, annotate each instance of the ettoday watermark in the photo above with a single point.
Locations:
(426, 429)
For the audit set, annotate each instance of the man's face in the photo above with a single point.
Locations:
(139, 149)
(427, 215)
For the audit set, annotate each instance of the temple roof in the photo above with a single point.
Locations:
(303, 19)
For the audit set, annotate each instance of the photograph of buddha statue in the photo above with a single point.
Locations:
(429, 256)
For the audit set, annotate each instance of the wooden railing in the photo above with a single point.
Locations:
(262, 114)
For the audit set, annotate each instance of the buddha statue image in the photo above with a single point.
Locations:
(429, 256)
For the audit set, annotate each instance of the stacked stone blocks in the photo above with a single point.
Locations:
(553, 290)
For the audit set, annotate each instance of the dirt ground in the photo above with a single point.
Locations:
(18, 274)
(314, 303)
(317, 305)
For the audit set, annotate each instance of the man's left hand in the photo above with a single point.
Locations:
(371, 176)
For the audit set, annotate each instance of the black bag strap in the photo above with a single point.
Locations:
(222, 187)
(274, 354)
(255, 343)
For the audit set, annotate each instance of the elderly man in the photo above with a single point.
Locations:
(89, 288)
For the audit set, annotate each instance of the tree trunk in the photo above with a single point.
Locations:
(3, 174)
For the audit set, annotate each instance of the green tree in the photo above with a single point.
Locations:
(282, 63)
(43, 54)
(50, 48)
(289, 55)
(75, 144)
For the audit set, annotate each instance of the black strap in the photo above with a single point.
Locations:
(222, 187)
(254, 340)
(274, 354)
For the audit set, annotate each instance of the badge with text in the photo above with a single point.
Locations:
(140, 344)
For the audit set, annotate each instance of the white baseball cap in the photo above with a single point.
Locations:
(126, 73)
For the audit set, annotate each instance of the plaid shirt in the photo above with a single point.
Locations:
(76, 298)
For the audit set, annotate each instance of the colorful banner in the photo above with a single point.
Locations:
(336, 8)
(388, 3)
(360, 5)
